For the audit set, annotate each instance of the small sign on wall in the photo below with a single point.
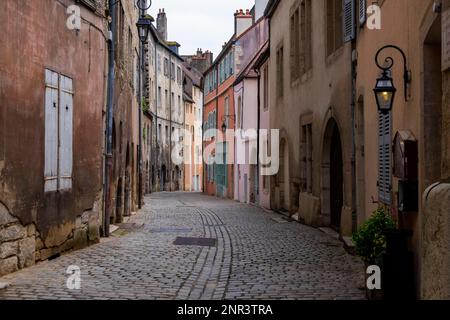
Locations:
(446, 40)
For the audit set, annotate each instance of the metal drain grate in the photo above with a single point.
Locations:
(204, 242)
(171, 230)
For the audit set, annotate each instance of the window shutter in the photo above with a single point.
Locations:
(362, 12)
(384, 158)
(65, 133)
(349, 21)
(51, 131)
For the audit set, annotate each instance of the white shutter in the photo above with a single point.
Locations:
(384, 158)
(51, 132)
(349, 20)
(362, 12)
(65, 133)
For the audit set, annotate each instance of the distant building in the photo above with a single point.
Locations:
(193, 142)
(165, 109)
(251, 47)
(200, 61)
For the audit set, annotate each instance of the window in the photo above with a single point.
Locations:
(166, 101)
(334, 25)
(179, 102)
(172, 100)
(384, 157)
(159, 63)
(172, 71)
(92, 4)
(130, 53)
(307, 152)
(227, 111)
(305, 37)
(159, 97)
(179, 80)
(120, 27)
(280, 72)
(295, 45)
(167, 135)
(58, 132)
(159, 133)
(166, 67)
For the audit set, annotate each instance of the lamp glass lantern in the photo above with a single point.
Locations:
(144, 25)
(224, 127)
(385, 93)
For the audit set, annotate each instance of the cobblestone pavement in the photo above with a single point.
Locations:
(257, 255)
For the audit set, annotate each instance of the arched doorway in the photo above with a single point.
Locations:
(128, 182)
(119, 208)
(282, 180)
(332, 176)
(177, 178)
(163, 178)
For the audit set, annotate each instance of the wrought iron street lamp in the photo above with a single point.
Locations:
(224, 118)
(143, 25)
(384, 89)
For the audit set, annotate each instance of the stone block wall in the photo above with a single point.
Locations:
(22, 246)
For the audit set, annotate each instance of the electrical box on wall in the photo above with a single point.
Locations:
(408, 196)
(406, 156)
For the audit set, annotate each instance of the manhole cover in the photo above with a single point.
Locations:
(204, 242)
(171, 230)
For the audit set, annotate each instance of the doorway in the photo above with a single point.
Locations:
(163, 178)
(332, 196)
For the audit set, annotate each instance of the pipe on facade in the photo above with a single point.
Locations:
(353, 121)
(109, 122)
(258, 133)
(141, 70)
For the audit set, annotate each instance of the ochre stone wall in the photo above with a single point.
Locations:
(436, 242)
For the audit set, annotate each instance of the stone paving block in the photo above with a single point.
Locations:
(254, 258)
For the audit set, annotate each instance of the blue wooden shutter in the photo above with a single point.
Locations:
(51, 131)
(362, 12)
(65, 133)
(349, 20)
(384, 158)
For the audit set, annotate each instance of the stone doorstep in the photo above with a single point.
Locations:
(330, 232)
(349, 245)
(113, 228)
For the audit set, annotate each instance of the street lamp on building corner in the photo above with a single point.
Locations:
(143, 25)
(384, 89)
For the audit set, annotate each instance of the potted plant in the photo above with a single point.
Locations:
(370, 243)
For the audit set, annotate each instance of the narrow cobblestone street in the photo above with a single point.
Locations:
(258, 255)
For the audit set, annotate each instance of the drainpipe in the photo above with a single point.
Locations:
(156, 152)
(109, 120)
(353, 160)
(257, 135)
(170, 122)
(141, 70)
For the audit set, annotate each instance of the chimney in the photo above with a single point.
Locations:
(242, 21)
(161, 24)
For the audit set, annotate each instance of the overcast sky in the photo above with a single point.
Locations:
(205, 24)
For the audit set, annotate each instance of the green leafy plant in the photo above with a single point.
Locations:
(370, 241)
(145, 106)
